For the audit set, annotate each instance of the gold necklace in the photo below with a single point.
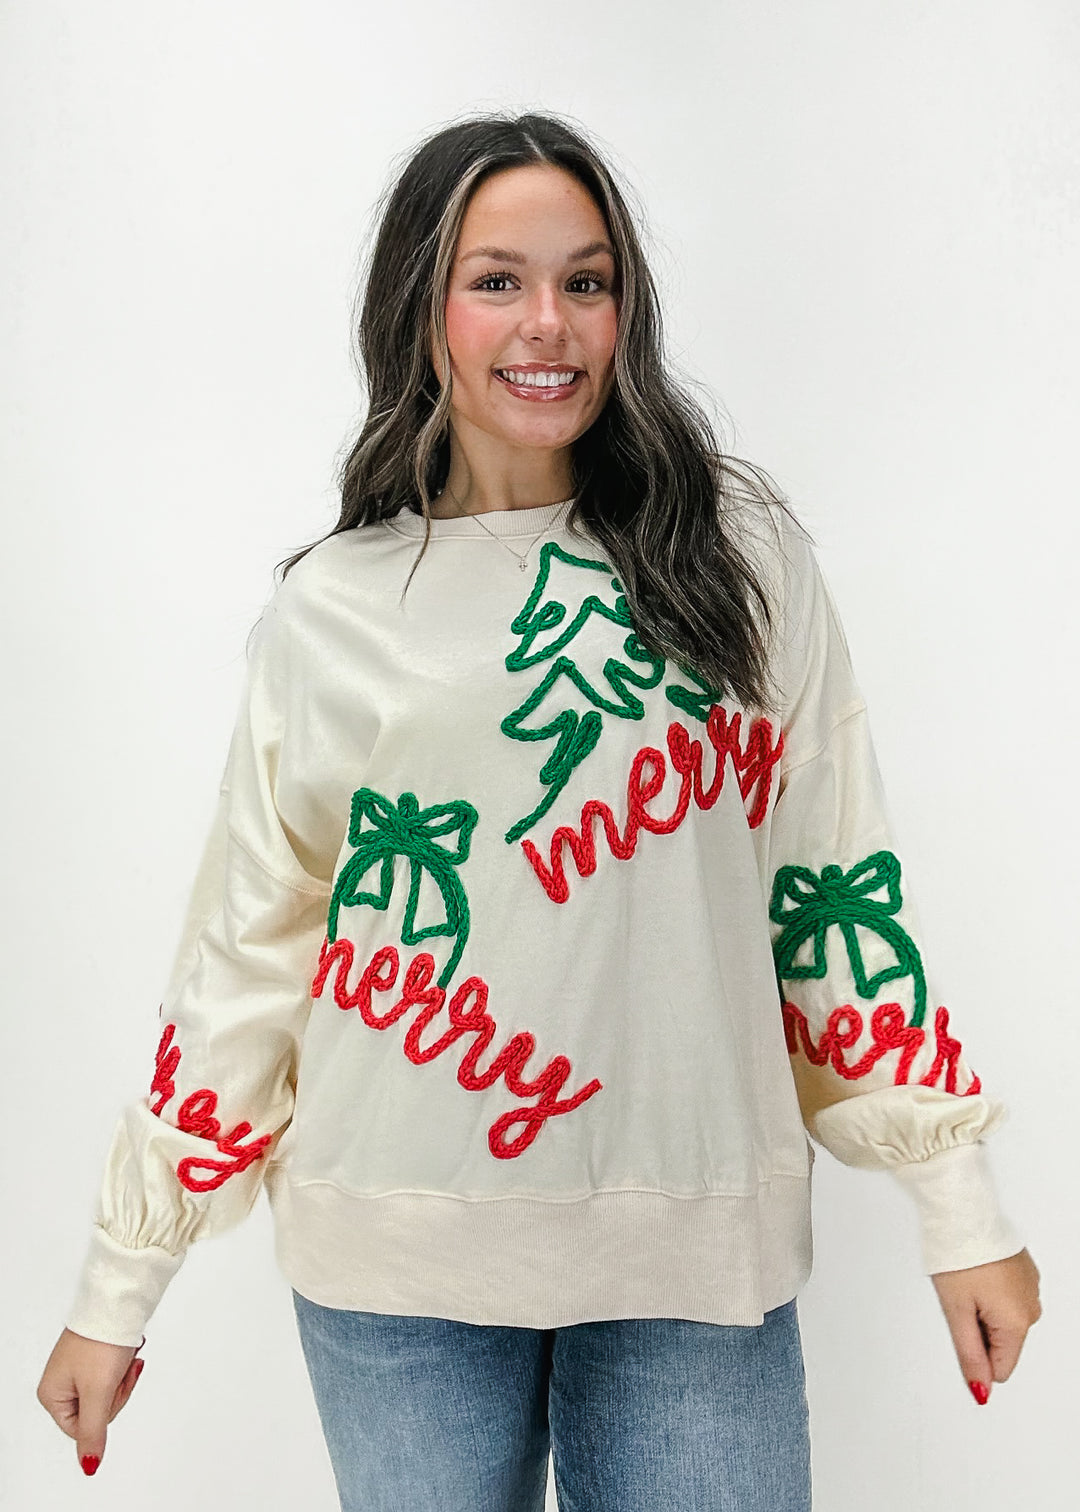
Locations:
(523, 562)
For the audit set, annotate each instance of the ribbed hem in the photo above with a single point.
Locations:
(500, 522)
(529, 1263)
(961, 1222)
(119, 1288)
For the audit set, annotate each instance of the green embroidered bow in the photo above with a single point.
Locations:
(843, 898)
(413, 833)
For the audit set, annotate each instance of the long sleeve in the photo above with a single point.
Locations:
(882, 1077)
(188, 1157)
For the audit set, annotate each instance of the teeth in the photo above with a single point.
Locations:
(536, 380)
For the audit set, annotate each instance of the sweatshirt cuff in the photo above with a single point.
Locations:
(960, 1219)
(119, 1288)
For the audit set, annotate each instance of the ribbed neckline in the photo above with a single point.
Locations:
(500, 522)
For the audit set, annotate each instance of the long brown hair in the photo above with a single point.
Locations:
(650, 482)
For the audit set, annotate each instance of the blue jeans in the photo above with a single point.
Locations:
(638, 1414)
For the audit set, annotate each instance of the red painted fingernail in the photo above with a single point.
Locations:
(979, 1392)
(90, 1462)
(140, 1365)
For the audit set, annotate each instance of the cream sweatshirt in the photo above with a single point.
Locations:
(525, 970)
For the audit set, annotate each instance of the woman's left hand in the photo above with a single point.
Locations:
(989, 1309)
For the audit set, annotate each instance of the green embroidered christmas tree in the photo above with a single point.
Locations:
(558, 635)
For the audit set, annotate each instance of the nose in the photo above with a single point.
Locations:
(545, 313)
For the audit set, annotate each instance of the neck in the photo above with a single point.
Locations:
(450, 504)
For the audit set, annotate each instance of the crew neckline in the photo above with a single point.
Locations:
(499, 522)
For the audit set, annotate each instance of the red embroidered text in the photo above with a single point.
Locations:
(753, 766)
(380, 975)
(195, 1115)
(890, 1032)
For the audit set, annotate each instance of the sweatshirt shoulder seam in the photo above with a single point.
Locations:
(860, 708)
(322, 891)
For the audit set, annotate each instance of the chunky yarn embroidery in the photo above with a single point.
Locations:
(196, 1116)
(889, 1032)
(467, 1012)
(166, 1060)
(417, 835)
(807, 905)
(413, 833)
(753, 766)
(545, 626)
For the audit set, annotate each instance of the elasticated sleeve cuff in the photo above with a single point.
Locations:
(961, 1222)
(119, 1288)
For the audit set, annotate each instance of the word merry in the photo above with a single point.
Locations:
(416, 991)
(889, 1031)
(195, 1116)
(753, 766)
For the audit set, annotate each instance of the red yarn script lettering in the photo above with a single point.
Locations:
(467, 1012)
(196, 1116)
(753, 766)
(890, 1031)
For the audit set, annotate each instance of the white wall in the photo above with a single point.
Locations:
(864, 221)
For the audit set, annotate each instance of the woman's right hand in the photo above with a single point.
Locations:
(84, 1385)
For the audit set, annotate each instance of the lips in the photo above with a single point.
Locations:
(542, 392)
(539, 367)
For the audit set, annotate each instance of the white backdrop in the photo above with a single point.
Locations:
(863, 219)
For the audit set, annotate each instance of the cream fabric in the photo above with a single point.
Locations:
(478, 972)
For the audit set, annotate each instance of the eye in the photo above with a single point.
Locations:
(489, 278)
(590, 278)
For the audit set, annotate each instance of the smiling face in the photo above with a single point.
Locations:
(532, 288)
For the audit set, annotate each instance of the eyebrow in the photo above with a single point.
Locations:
(504, 254)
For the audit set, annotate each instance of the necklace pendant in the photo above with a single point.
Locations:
(523, 565)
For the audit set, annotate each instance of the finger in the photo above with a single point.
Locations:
(128, 1382)
(1004, 1346)
(971, 1350)
(90, 1432)
(63, 1408)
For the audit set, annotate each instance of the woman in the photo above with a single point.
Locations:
(551, 902)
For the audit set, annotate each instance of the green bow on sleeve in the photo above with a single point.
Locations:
(806, 905)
